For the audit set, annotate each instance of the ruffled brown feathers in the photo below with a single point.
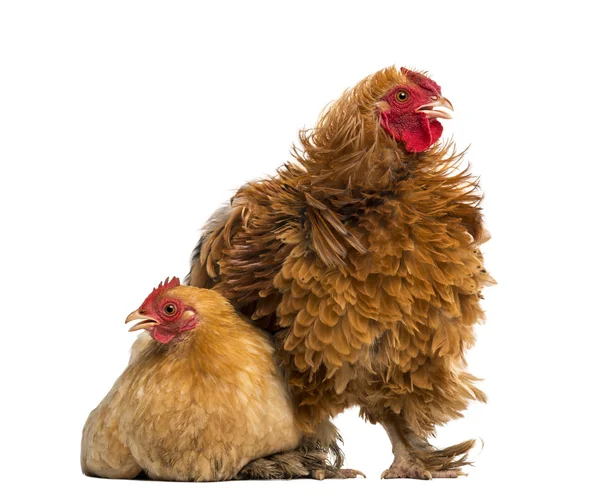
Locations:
(347, 143)
(364, 259)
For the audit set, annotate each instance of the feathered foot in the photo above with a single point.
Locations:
(408, 469)
(414, 457)
(334, 472)
(300, 463)
(444, 463)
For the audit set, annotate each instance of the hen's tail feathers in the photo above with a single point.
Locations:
(448, 459)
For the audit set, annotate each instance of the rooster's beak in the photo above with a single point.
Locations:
(146, 321)
(429, 109)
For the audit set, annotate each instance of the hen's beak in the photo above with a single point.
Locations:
(430, 111)
(146, 321)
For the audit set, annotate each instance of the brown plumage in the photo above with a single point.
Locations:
(362, 258)
(199, 401)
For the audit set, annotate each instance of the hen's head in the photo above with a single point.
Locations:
(167, 313)
(409, 110)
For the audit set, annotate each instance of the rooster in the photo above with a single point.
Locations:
(200, 400)
(362, 258)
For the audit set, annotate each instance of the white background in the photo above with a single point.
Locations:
(123, 125)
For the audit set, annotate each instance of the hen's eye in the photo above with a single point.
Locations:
(170, 309)
(401, 96)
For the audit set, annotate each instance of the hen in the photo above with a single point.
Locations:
(362, 258)
(200, 400)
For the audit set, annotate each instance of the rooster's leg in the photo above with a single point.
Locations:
(409, 460)
(405, 465)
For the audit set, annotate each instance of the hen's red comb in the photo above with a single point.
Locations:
(169, 283)
(422, 80)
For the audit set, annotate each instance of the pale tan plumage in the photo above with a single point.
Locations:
(197, 410)
(363, 259)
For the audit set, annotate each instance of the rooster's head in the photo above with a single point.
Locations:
(409, 111)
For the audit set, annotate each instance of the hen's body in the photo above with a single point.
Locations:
(194, 411)
(364, 262)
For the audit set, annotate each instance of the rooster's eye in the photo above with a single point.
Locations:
(170, 309)
(401, 96)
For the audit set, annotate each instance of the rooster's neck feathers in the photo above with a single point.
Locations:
(350, 149)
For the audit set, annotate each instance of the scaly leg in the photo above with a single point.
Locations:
(415, 458)
(405, 465)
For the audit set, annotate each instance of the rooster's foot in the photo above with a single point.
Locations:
(411, 470)
(336, 473)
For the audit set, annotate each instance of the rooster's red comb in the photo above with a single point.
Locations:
(169, 283)
(422, 80)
